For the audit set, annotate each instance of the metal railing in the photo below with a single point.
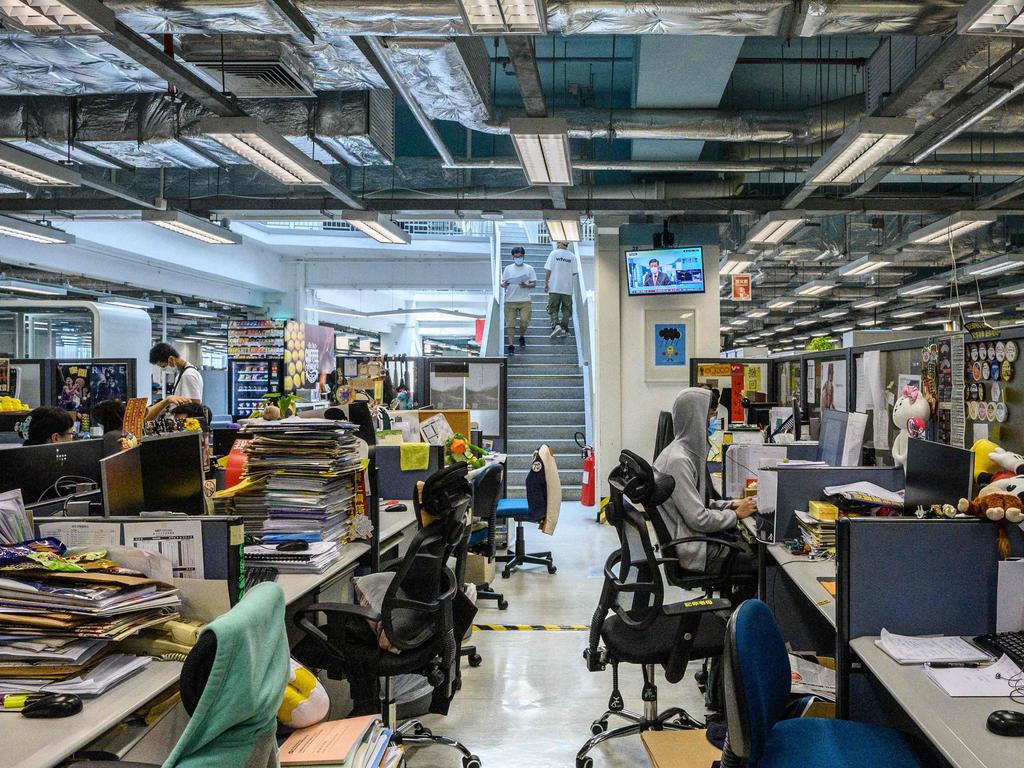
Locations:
(439, 228)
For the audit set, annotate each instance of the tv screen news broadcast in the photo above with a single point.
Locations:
(665, 271)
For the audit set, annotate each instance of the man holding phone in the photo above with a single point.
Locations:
(518, 278)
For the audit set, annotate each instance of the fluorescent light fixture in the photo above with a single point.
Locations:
(947, 303)
(936, 321)
(780, 303)
(802, 337)
(991, 17)
(782, 328)
(869, 323)
(952, 227)
(901, 328)
(1012, 290)
(563, 226)
(832, 314)
(775, 227)
(50, 17)
(495, 17)
(195, 227)
(205, 314)
(908, 313)
(542, 144)
(865, 265)
(843, 328)
(381, 229)
(815, 288)
(923, 287)
(869, 303)
(268, 150)
(758, 313)
(734, 265)
(36, 233)
(997, 266)
(739, 321)
(31, 169)
(126, 301)
(982, 314)
(805, 322)
(28, 286)
(862, 146)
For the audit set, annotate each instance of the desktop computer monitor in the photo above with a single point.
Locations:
(172, 473)
(937, 474)
(832, 437)
(50, 471)
(123, 493)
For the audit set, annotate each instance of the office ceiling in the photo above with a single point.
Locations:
(691, 110)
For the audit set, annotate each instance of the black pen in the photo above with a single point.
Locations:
(957, 664)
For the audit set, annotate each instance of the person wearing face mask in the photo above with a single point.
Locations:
(518, 278)
(689, 512)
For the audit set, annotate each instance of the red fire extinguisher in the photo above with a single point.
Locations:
(587, 493)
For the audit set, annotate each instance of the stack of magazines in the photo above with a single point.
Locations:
(316, 558)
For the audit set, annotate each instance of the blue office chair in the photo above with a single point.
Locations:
(541, 505)
(757, 695)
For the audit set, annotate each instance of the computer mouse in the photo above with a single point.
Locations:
(1005, 722)
(53, 705)
(293, 546)
(395, 508)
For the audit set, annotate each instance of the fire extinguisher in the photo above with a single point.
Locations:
(587, 493)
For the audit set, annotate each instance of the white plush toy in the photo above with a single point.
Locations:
(910, 408)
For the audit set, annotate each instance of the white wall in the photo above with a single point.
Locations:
(626, 407)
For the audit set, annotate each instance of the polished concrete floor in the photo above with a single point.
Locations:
(532, 700)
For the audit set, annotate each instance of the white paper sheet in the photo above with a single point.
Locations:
(180, 541)
(991, 681)
(83, 534)
(1010, 596)
(856, 426)
(904, 649)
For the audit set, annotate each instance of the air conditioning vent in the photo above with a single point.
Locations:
(260, 70)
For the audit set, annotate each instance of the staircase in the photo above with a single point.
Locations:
(545, 395)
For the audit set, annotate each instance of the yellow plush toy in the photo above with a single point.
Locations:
(983, 462)
(305, 700)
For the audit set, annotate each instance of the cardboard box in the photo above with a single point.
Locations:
(479, 570)
(680, 749)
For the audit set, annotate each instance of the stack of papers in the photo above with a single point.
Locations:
(95, 681)
(867, 493)
(320, 556)
(357, 742)
(922, 650)
(15, 525)
(817, 534)
(812, 679)
(992, 680)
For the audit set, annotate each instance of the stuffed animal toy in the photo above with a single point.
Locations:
(999, 503)
(1010, 463)
(305, 699)
(910, 409)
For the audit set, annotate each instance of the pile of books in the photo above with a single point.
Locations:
(59, 628)
(316, 558)
(818, 526)
(356, 742)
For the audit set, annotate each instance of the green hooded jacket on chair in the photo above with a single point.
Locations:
(235, 720)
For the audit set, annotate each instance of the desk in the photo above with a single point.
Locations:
(44, 743)
(955, 726)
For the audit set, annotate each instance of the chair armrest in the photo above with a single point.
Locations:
(349, 609)
(703, 539)
(699, 605)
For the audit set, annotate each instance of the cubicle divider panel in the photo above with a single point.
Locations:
(797, 485)
(392, 482)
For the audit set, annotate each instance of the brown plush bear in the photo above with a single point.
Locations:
(1001, 508)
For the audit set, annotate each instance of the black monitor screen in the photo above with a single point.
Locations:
(668, 270)
(937, 474)
(832, 437)
(172, 473)
(52, 470)
(122, 483)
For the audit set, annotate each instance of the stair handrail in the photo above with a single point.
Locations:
(491, 345)
(583, 322)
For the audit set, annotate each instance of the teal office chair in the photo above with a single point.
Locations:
(757, 695)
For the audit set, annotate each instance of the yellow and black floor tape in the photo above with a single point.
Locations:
(531, 627)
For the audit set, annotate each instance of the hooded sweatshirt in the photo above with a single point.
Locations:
(686, 512)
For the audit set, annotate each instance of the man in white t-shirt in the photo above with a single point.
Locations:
(517, 279)
(188, 383)
(558, 271)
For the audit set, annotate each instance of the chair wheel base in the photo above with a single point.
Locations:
(598, 726)
(502, 605)
(471, 762)
(585, 762)
(475, 660)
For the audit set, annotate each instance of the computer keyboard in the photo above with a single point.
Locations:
(257, 575)
(1010, 644)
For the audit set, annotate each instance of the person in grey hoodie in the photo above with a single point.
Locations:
(687, 512)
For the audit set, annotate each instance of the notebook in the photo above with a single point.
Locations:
(334, 742)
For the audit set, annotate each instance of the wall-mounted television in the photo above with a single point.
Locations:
(665, 271)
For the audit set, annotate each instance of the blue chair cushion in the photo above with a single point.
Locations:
(513, 508)
(813, 742)
(478, 537)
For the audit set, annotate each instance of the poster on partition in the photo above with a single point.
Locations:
(741, 288)
(833, 385)
(108, 381)
(74, 394)
(5, 377)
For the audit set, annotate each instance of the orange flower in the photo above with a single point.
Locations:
(458, 447)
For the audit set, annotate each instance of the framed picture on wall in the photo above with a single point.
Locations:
(669, 338)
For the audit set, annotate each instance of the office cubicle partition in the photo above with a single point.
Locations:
(734, 376)
(394, 484)
(827, 382)
(476, 384)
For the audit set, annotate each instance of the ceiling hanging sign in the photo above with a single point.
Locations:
(741, 287)
(980, 330)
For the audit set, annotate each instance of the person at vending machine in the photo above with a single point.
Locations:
(188, 383)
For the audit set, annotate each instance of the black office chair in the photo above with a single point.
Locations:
(424, 615)
(643, 630)
(486, 494)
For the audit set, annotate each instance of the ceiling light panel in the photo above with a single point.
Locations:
(49, 17)
(372, 224)
(815, 288)
(31, 169)
(493, 17)
(865, 265)
(997, 266)
(908, 313)
(757, 313)
(543, 148)
(862, 146)
(833, 314)
(773, 228)
(28, 286)
(126, 301)
(734, 265)
(182, 223)
(563, 226)
(265, 148)
(925, 286)
(780, 303)
(991, 17)
(205, 314)
(952, 227)
(869, 303)
(36, 233)
(1012, 290)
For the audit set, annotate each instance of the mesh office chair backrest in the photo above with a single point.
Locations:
(486, 494)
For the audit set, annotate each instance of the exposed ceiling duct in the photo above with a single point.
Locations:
(881, 17)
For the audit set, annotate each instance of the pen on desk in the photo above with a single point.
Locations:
(957, 664)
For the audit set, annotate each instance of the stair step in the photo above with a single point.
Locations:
(544, 405)
(540, 433)
(557, 446)
(565, 462)
(517, 379)
(534, 417)
(548, 393)
(544, 358)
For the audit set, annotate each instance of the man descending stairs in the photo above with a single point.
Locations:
(545, 395)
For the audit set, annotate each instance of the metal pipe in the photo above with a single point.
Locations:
(650, 166)
(652, 191)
